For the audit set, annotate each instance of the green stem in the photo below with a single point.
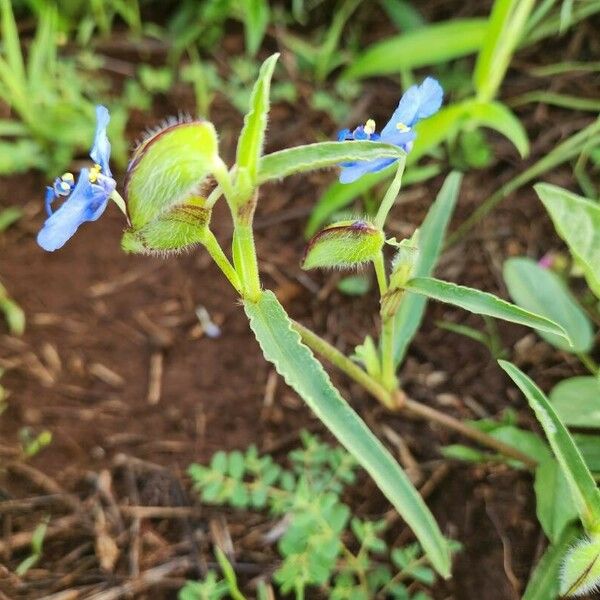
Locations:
(379, 265)
(223, 178)
(214, 249)
(388, 368)
(244, 256)
(344, 364)
(395, 403)
(390, 195)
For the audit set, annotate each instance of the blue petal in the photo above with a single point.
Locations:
(343, 135)
(100, 152)
(418, 102)
(399, 138)
(86, 203)
(352, 171)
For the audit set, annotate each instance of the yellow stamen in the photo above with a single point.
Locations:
(68, 177)
(94, 172)
(402, 127)
(369, 127)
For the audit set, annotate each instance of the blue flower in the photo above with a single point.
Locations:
(84, 200)
(418, 102)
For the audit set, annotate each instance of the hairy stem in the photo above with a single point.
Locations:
(390, 195)
(388, 368)
(395, 401)
(214, 249)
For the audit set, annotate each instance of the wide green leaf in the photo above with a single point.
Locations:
(541, 291)
(581, 483)
(480, 303)
(250, 144)
(577, 401)
(554, 504)
(429, 45)
(577, 221)
(281, 345)
(431, 239)
(545, 580)
(321, 156)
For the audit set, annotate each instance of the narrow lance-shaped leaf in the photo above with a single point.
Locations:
(281, 345)
(581, 483)
(320, 156)
(429, 45)
(577, 221)
(251, 140)
(481, 303)
(431, 237)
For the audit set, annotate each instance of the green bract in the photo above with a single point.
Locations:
(581, 568)
(344, 244)
(165, 187)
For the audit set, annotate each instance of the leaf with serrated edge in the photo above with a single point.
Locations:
(480, 303)
(281, 345)
(321, 156)
(251, 140)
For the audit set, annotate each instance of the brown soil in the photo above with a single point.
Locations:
(100, 321)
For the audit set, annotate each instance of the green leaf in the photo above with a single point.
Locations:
(9, 216)
(256, 19)
(480, 303)
(344, 244)
(545, 581)
(541, 291)
(499, 117)
(504, 32)
(577, 221)
(250, 144)
(581, 483)
(11, 45)
(577, 401)
(13, 313)
(431, 238)
(426, 46)
(321, 156)
(295, 362)
(554, 504)
(589, 446)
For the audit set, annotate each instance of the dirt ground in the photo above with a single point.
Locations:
(115, 364)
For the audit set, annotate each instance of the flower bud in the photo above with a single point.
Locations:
(165, 185)
(403, 267)
(344, 244)
(581, 568)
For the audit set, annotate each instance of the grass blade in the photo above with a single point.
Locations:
(425, 46)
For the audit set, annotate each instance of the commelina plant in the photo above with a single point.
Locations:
(174, 179)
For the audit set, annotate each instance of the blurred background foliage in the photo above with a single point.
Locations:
(65, 57)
